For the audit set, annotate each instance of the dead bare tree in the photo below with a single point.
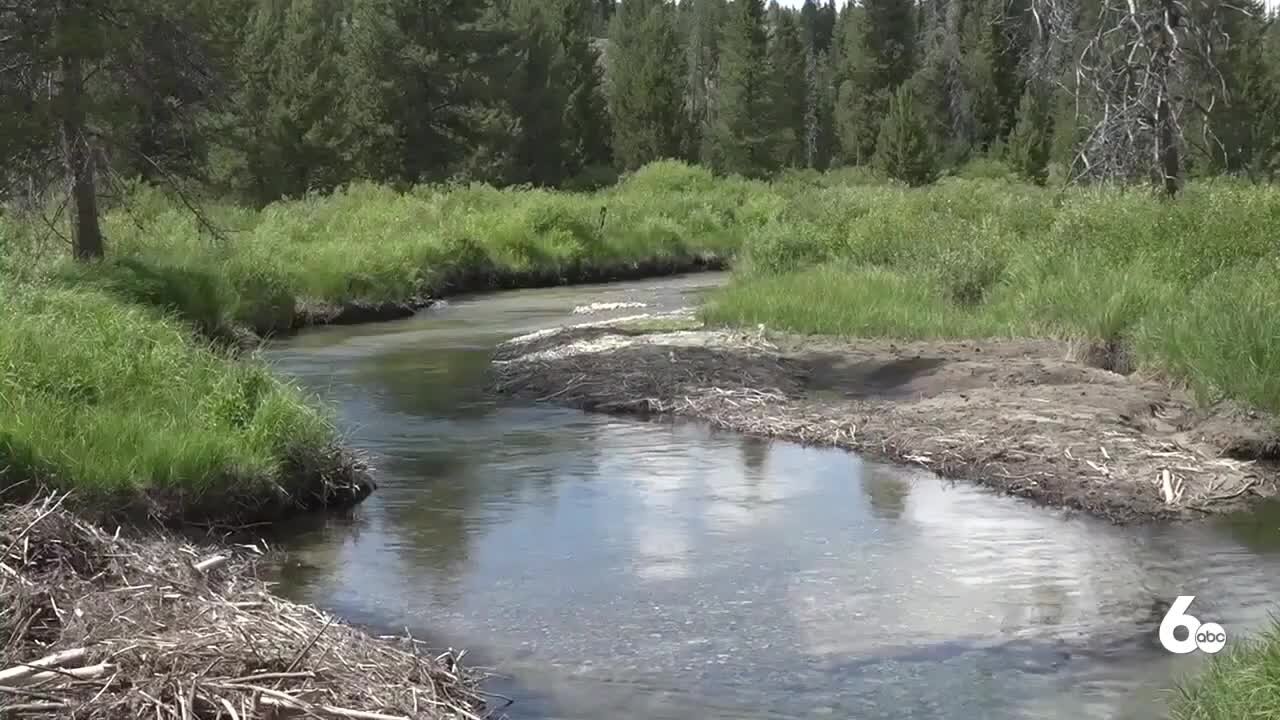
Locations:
(1136, 69)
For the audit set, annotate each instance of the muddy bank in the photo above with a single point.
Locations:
(1017, 415)
(330, 479)
(96, 626)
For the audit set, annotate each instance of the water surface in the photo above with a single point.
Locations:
(614, 568)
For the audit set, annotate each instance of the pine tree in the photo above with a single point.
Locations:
(809, 23)
(905, 150)
(1242, 128)
(787, 59)
(818, 117)
(1027, 150)
(702, 21)
(878, 56)
(420, 105)
(645, 83)
(586, 118)
(747, 131)
(306, 86)
(536, 92)
(824, 34)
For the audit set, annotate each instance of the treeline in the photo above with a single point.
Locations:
(262, 99)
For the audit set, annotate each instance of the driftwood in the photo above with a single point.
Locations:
(97, 626)
(66, 658)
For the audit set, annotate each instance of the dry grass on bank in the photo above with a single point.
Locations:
(96, 626)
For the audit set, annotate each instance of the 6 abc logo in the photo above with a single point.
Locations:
(1208, 637)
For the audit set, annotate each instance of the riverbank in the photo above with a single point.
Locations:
(1019, 416)
(145, 423)
(369, 252)
(95, 625)
(1241, 683)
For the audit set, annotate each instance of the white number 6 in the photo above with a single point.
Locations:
(1175, 618)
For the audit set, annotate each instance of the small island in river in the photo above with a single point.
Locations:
(1021, 416)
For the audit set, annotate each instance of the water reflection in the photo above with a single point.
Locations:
(623, 569)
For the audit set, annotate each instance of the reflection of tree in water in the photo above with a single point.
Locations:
(1049, 602)
(313, 546)
(440, 382)
(1258, 529)
(443, 499)
(887, 491)
(755, 455)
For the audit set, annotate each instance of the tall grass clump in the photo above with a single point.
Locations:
(1188, 288)
(118, 404)
(371, 244)
(1242, 684)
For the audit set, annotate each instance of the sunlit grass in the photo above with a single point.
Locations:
(1242, 684)
(1192, 287)
(112, 401)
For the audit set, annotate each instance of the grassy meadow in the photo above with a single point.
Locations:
(369, 243)
(1190, 289)
(112, 384)
(109, 382)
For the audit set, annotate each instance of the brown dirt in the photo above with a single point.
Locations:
(1020, 416)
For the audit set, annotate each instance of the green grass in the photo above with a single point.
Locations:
(124, 407)
(1192, 286)
(1243, 684)
(372, 244)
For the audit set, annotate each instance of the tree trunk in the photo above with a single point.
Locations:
(86, 234)
(1169, 162)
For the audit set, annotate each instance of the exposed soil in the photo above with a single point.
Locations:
(353, 313)
(330, 478)
(1020, 416)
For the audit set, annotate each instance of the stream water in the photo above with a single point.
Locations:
(613, 568)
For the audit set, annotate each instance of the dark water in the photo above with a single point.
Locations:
(620, 569)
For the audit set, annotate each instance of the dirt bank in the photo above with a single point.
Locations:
(1016, 415)
(96, 626)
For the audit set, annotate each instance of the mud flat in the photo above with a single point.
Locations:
(1020, 416)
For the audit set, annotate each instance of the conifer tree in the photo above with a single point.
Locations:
(879, 55)
(306, 85)
(420, 103)
(787, 59)
(1027, 150)
(586, 118)
(702, 26)
(905, 149)
(818, 140)
(536, 92)
(645, 83)
(747, 131)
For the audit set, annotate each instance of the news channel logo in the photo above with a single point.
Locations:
(1206, 637)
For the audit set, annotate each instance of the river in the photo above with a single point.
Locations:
(613, 568)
